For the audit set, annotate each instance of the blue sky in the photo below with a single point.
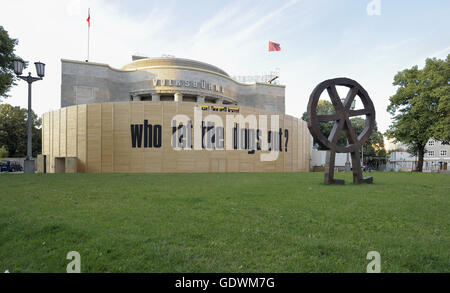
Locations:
(320, 39)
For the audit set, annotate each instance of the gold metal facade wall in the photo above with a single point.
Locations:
(99, 136)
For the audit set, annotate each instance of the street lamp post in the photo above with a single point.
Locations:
(40, 70)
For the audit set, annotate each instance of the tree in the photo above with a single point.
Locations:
(13, 131)
(7, 56)
(437, 73)
(325, 108)
(374, 146)
(3, 152)
(420, 106)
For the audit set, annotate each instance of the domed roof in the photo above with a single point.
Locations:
(147, 63)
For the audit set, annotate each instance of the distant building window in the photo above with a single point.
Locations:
(443, 152)
(431, 143)
(431, 153)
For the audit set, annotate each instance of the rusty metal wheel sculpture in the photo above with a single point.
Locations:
(341, 118)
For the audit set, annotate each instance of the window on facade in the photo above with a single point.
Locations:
(188, 98)
(443, 152)
(430, 153)
(431, 143)
(166, 98)
(146, 98)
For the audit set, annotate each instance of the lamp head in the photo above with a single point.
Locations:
(18, 66)
(40, 69)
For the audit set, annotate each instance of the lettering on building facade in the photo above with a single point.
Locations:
(198, 84)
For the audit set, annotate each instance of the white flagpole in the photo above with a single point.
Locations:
(89, 30)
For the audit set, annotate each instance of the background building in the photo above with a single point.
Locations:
(437, 157)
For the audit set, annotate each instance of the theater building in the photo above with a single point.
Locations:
(124, 120)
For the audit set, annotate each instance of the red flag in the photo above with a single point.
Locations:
(274, 46)
(89, 18)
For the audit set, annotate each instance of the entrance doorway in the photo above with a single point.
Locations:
(60, 165)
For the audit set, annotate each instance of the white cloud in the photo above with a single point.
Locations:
(262, 20)
(441, 53)
(223, 18)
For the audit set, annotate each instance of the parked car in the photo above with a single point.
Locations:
(10, 166)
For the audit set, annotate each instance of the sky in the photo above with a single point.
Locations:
(320, 39)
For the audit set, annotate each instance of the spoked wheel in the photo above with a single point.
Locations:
(341, 118)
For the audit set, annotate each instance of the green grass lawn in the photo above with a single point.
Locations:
(249, 222)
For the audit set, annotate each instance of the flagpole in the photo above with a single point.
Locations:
(88, 43)
(89, 30)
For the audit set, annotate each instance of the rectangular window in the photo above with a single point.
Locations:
(431, 143)
(443, 152)
(431, 153)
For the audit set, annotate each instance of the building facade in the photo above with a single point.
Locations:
(169, 115)
(436, 159)
(437, 156)
(163, 79)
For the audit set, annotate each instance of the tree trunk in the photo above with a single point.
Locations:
(420, 162)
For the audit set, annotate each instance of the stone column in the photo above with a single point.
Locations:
(178, 97)
(155, 98)
(200, 99)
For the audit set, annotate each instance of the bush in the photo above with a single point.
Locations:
(4, 152)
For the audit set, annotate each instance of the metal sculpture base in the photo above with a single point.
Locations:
(357, 173)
